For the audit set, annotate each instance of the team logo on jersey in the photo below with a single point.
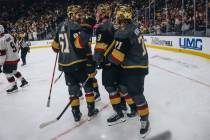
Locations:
(137, 31)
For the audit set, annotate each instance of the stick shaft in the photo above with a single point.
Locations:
(48, 102)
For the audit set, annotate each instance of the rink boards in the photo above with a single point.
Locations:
(198, 46)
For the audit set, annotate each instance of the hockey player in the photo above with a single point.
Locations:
(9, 60)
(15, 36)
(94, 80)
(110, 73)
(71, 42)
(130, 53)
(24, 47)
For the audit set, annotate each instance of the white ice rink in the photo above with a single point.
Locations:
(177, 90)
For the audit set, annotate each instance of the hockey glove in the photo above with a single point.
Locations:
(92, 75)
(55, 46)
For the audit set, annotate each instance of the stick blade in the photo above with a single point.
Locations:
(44, 124)
(166, 135)
(48, 103)
(56, 80)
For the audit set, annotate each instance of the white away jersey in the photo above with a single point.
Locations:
(8, 50)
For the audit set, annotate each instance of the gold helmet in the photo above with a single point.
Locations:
(104, 9)
(124, 12)
(73, 10)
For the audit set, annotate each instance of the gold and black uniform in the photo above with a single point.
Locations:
(72, 44)
(130, 53)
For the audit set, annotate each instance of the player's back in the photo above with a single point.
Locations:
(7, 44)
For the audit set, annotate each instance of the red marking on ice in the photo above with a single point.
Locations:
(177, 74)
(76, 126)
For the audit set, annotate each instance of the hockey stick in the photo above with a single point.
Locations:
(83, 84)
(62, 74)
(44, 124)
(58, 78)
(48, 102)
(166, 135)
(109, 48)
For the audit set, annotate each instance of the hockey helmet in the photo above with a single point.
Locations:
(104, 9)
(124, 12)
(73, 10)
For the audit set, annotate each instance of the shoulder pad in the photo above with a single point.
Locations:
(137, 31)
(133, 28)
(121, 35)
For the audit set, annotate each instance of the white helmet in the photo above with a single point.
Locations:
(1, 29)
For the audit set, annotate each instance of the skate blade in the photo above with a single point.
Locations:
(25, 86)
(131, 116)
(145, 134)
(122, 120)
(92, 117)
(124, 112)
(13, 91)
(77, 123)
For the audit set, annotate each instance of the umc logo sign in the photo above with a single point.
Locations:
(191, 43)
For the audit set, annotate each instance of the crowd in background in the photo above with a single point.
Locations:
(39, 19)
(175, 17)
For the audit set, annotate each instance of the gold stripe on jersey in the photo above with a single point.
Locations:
(89, 54)
(89, 65)
(110, 47)
(72, 63)
(101, 47)
(118, 56)
(135, 66)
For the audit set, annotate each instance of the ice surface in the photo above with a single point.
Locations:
(177, 90)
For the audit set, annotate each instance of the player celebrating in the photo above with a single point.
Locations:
(9, 59)
(130, 53)
(71, 43)
(110, 73)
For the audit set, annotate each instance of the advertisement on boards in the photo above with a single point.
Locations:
(196, 44)
(191, 43)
